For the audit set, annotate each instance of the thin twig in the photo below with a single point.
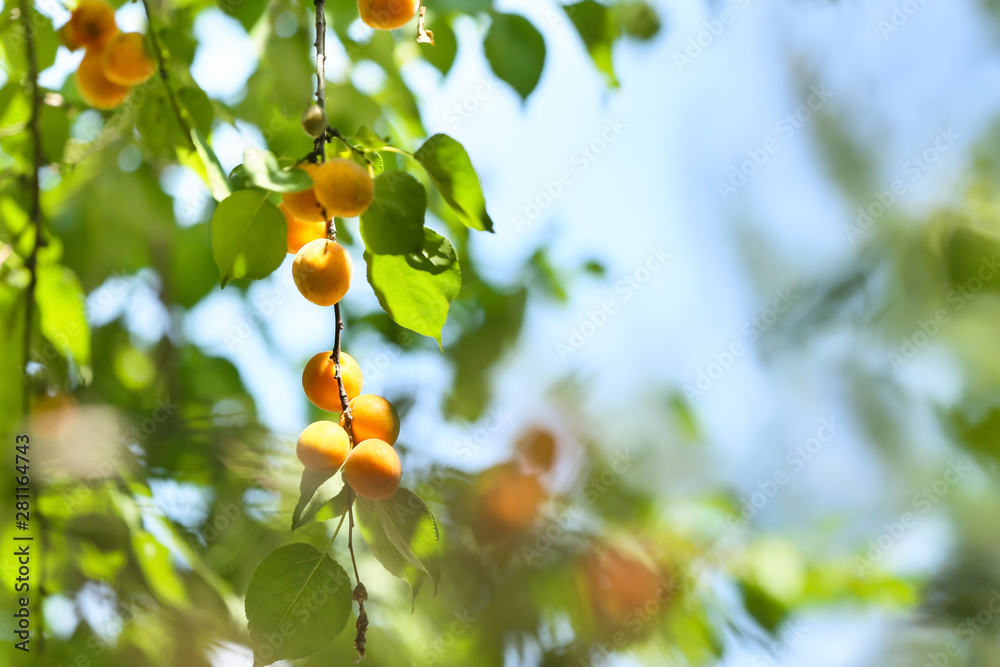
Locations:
(161, 62)
(32, 265)
(320, 67)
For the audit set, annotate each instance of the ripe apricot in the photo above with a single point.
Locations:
(323, 446)
(95, 88)
(538, 449)
(322, 271)
(344, 188)
(303, 204)
(126, 59)
(301, 232)
(373, 469)
(620, 583)
(92, 23)
(508, 503)
(373, 417)
(319, 380)
(387, 14)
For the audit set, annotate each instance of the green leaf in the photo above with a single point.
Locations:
(452, 173)
(516, 51)
(416, 289)
(262, 170)
(55, 132)
(315, 490)
(441, 54)
(61, 309)
(368, 140)
(394, 223)
(248, 236)
(596, 26)
(403, 535)
(158, 570)
(297, 601)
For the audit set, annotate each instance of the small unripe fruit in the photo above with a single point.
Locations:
(373, 469)
(319, 380)
(94, 86)
(314, 120)
(300, 232)
(322, 271)
(126, 61)
(92, 23)
(323, 446)
(373, 417)
(344, 188)
(303, 204)
(387, 14)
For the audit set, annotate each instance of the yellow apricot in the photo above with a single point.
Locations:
(301, 232)
(373, 417)
(319, 380)
(373, 469)
(508, 503)
(67, 37)
(387, 14)
(323, 446)
(92, 23)
(303, 204)
(322, 271)
(619, 584)
(344, 188)
(95, 88)
(126, 60)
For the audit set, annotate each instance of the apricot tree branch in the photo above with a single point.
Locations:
(31, 264)
(161, 62)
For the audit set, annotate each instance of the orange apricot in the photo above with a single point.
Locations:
(620, 584)
(319, 380)
(301, 232)
(323, 446)
(303, 204)
(95, 88)
(537, 448)
(322, 271)
(344, 188)
(373, 417)
(387, 14)
(373, 469)
(92, 23)
(508, 503)
(126, 60)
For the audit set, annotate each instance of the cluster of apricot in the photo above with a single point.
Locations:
(113, 62)
(322, 271)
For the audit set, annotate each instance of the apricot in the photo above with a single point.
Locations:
(319, 380)
(344, 188)
(126, 60)
(373, 417)
(323, 446)
(322, 271)
(301, 232)
(303, 204)
(620, 584)
(538, 449)
(95, 88)
(508, 503)
(92, 23)
(373, 469)
(387, 14)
